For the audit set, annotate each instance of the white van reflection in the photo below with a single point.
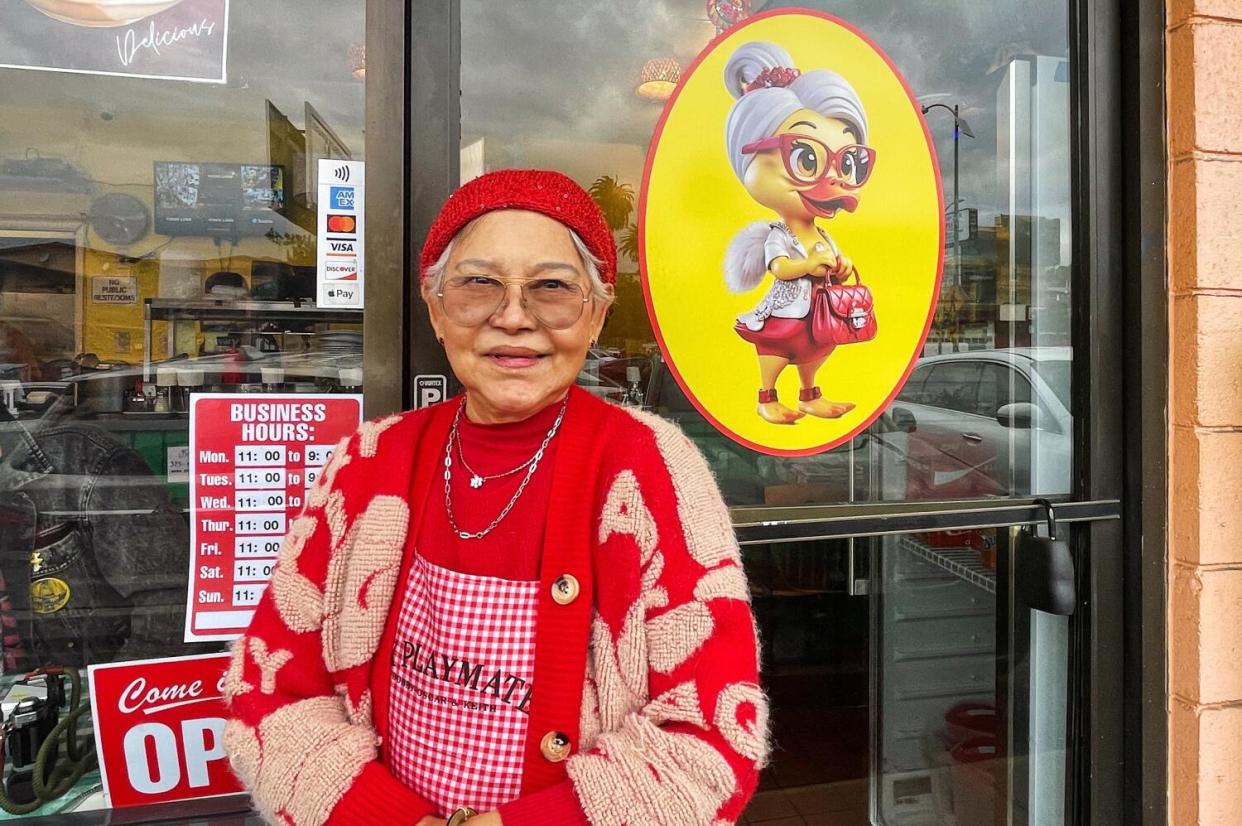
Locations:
(988, 423)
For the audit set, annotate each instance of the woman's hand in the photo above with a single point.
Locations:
(431, 821)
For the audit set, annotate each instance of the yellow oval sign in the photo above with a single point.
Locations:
(791, 232)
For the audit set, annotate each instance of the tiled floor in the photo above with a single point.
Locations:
(817, 683)
(818, 774)
(827, 804)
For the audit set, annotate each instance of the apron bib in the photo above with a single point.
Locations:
(460, 690)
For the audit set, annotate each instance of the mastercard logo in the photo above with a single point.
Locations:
(342, 223)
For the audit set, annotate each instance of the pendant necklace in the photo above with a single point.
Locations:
(531, 466)
(476, 478)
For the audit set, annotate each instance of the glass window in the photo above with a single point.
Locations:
(954, 386)
(912, 390)
(161, 231)
(1056, 373)
(938, 696)
(996, 104)
(999, 385)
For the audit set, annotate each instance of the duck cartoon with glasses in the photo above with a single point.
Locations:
(797, 142)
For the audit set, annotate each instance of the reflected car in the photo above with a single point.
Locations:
(988, 423)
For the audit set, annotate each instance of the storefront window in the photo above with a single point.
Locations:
(986, 412)
(937, 697)
(165, 241)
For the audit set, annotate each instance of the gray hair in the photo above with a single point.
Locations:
(434, 274)
(758, 114)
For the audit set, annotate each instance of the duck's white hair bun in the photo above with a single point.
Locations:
(749, 59)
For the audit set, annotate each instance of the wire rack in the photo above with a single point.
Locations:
(963, 563)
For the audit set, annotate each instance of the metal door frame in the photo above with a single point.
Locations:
(1119, 491)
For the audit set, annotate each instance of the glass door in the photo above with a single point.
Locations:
(918, 672)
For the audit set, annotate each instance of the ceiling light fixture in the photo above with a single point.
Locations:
(726, 13)
(358, 60)
(658, 79)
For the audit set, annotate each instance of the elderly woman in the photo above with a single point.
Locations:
(521, 606)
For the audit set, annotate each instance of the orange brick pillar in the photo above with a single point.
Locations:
(1204, 73)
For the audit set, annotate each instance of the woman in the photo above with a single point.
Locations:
(797, 142)
(523, 602)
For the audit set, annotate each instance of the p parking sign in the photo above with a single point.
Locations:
(429, 390)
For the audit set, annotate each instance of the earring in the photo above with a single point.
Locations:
(441, 340)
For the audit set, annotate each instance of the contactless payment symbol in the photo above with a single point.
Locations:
(793, 307)
(342, 197)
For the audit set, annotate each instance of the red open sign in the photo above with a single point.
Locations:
(159, 729)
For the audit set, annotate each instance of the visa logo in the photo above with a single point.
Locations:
(341, 246)
(342, 197)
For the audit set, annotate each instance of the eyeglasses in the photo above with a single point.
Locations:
(808, 160)
(470, 300)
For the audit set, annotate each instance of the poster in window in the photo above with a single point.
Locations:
(164, 39)
(254, 462)
(159, 729)
(791, 232)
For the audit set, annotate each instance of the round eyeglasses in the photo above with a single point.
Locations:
(808, 160)
(470, 300)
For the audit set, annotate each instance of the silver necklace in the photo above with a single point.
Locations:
(476, 478)
(530, 471)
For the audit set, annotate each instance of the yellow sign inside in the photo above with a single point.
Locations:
(792, 232)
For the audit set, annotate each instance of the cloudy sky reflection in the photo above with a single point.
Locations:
(567, 69)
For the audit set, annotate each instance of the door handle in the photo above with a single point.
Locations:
(1044, 568)
(856, 582)
(972, 437)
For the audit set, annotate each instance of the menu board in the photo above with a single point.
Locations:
(253, 460)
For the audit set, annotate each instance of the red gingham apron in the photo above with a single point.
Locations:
(460, 692)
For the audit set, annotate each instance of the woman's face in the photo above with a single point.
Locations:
(769, 183)
(512, 365)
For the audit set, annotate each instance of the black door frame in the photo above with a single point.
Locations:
(1120, 366)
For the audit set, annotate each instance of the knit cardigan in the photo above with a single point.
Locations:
(651, 673)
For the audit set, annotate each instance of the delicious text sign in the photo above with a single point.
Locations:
(253, 460)
(165, 39)
(159, 729)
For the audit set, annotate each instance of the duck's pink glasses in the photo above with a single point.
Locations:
(809, 160)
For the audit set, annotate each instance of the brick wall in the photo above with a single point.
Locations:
(1204, 51)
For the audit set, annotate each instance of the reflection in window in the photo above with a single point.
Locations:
(1006, 284)
(157, 238)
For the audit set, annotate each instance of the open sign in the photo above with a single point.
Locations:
(159, 729)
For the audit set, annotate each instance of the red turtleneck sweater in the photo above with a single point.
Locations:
(511, 551)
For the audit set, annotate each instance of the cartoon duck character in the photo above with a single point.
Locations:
(797, 142)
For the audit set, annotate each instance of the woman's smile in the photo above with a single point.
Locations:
(515, 358)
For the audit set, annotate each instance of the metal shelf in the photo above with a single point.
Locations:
(257, 312)
(160, 309)
(963, 563)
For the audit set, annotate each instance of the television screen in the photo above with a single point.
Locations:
(222, 199)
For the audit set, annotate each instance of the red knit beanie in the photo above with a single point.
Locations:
(537, 190)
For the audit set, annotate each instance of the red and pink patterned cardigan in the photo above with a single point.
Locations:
(651, 673)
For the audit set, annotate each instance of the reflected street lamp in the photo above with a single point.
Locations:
(960, 127)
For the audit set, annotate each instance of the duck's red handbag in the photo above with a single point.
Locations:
(843, 313)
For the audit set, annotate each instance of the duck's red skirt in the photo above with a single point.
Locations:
(788, 338)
